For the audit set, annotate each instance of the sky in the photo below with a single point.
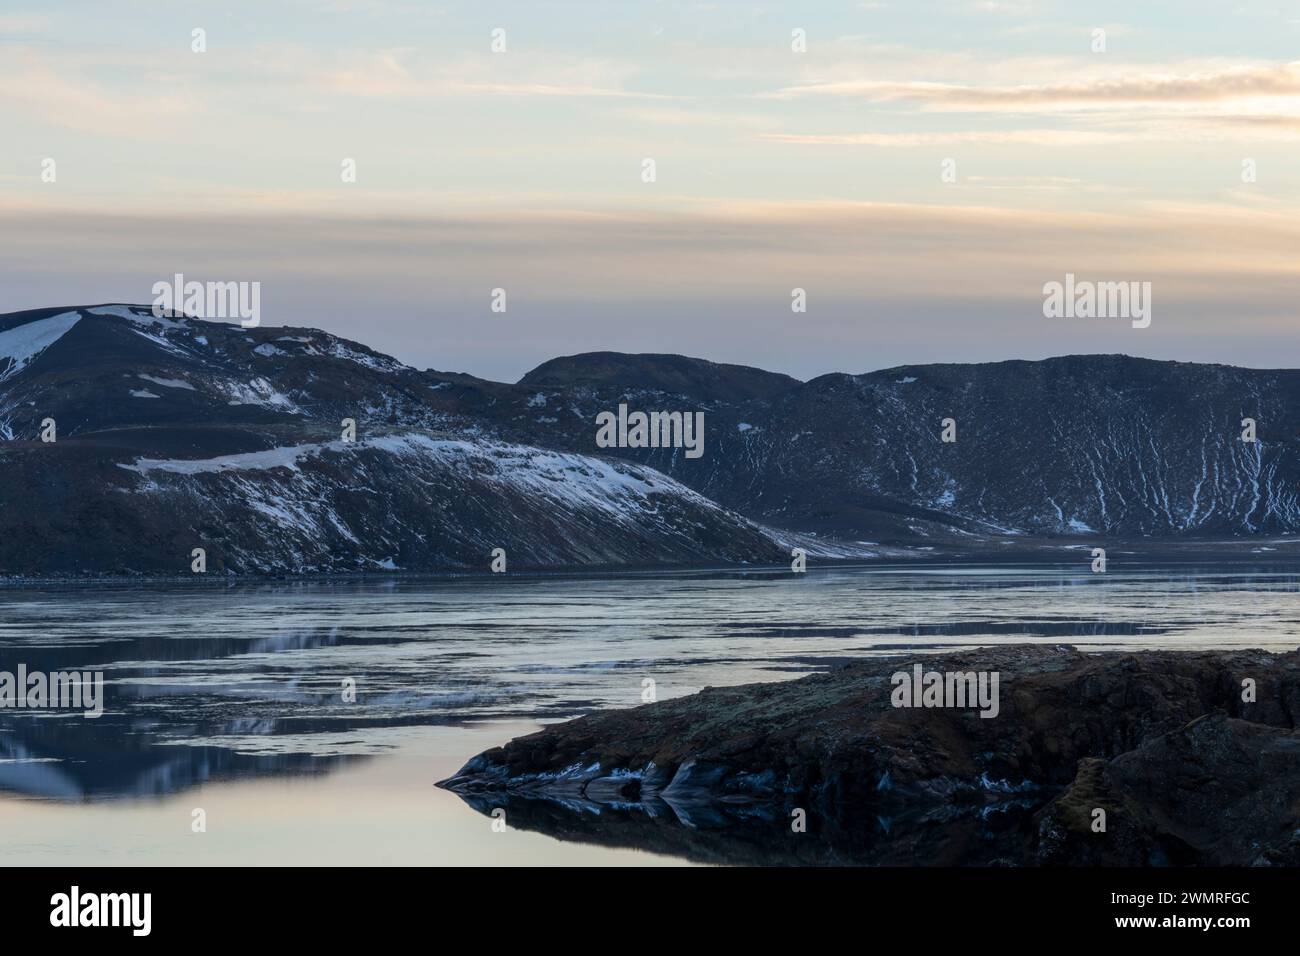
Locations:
(919, 169)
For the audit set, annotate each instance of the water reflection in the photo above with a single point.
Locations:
(106, 762)
(211, 683)
(749, 835)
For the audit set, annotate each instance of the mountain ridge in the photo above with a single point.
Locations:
(666, 372)
(852, 466)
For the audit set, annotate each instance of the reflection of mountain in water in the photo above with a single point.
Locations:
(182, 712)
(44, 757)
(762, 835)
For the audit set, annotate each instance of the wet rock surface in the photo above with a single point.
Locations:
(1187, 771)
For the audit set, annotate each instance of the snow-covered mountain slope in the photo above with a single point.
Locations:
(175, 433)
(409, 501)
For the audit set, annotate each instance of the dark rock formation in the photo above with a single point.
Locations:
(1185, 770)
(1217, 790)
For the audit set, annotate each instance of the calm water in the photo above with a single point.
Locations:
(231, 700)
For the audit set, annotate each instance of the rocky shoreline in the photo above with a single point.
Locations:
(1119, 758)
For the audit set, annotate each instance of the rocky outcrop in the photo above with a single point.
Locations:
(1217, 790)
(1186, 767)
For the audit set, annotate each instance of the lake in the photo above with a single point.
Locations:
(237, 701)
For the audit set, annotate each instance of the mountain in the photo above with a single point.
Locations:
(176, 433)
(670, 374)
(1080, 445)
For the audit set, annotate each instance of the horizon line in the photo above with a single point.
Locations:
(670, 355)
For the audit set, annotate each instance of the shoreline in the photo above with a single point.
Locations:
(1139, 555)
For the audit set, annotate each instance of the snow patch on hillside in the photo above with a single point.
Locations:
(137, 314)
(162, 342)
(572, 479)
(20, 346)
(286, 457)
(339, 349)
(167, 382)
(258, 391)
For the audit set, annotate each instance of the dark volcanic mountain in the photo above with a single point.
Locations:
(175, 434)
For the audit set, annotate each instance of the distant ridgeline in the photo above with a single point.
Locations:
(135, 444)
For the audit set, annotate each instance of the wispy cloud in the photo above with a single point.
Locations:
(76, 101)
(402, 74)
(1244, 82)
(1014, 137)
(1159, 128)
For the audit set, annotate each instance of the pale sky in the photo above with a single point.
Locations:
(775, 168)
